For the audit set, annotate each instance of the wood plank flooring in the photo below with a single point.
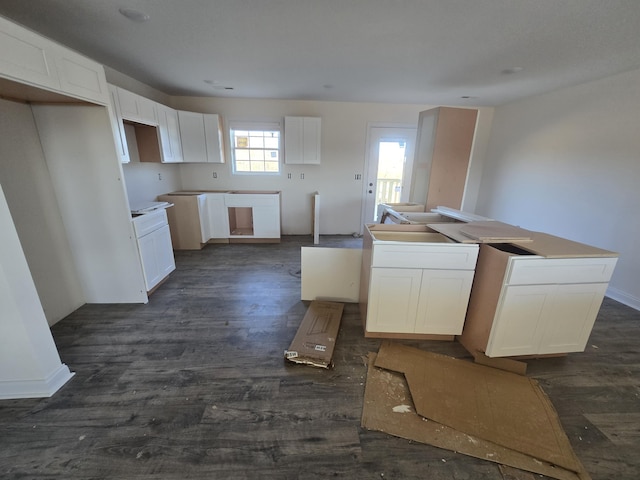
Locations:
(193, 385)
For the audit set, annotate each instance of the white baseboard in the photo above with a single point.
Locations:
(622, 297)
(36, 388)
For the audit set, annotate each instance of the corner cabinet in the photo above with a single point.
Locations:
(415, 283)
(302, 137)
(524, 304)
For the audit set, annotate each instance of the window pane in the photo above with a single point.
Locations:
(256, 154)
(242, 154)
(271, 142)
(256, 142)
(243, 166)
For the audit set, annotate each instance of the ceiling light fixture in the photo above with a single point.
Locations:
(134, 15)
(512, 70)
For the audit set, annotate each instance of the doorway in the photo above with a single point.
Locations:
(388, 168)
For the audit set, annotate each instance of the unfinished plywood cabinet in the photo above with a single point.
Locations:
(415, 282)
(253, 215)
(443, 149)
(185, 220)
(527, 304)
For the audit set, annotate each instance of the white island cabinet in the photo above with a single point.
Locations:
(536, 298)
(415, 283)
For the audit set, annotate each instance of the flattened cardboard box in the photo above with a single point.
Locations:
(316, 337)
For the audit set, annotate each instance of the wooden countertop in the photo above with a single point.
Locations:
(542, 244)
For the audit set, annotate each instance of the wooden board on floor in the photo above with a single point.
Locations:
(471, 397)
(388, 408)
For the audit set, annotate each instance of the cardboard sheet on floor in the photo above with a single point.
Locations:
(316, 337)
(495, 405)
(388, 408)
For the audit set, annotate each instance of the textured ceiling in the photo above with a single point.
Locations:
(396, 51)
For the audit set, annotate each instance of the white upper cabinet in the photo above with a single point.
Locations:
(169, 134)
(118, 128)
(34, 60)
(302, 140)
(137, 108)
(201, 136)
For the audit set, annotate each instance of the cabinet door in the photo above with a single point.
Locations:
(444, 295)
(393, 300)
(575, 308)
(213, 138)
(192, 135)
(27, 57)
(266, 221)
(169, 134)
(118, 127)
(156, 254)
(302, 140)
(218, 221)
(81, 77)
(520, 319)
(137, 108)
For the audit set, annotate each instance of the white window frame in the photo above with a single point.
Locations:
(240, 125)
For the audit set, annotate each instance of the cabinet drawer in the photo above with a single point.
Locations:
(251, 200)
(441, 256)
(149, 222)
(539, 271)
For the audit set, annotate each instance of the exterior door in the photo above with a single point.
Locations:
(388, 168)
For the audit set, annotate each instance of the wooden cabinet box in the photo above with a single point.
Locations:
(415, 283)
(525, 304)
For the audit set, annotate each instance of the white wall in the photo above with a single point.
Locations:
(568, 163)
(27, 184)
(344, 132)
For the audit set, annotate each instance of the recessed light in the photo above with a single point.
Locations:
(467, 96)
(134, 15)
(512, 70)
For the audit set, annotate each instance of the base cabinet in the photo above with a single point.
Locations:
(411, 288)
(156, 253)
(154, 246)
(523, 304)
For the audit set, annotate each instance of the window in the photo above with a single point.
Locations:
(255, 149)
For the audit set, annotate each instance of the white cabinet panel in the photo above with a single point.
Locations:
(118, 127)
(266, 221)
(217, 221)
(27, 57)
(156, 254)
(136, 108)
(575, 309)
(201, 137)
(302, 137)
(444, 295)
(81, 77)
(393, 300)
(169, 134)
(449, 256)
(530, 271)
(213, 138)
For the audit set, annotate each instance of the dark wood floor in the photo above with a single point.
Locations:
(193, 385)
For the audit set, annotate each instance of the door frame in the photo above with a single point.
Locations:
(407, 170)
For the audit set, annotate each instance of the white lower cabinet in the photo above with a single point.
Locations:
(523, 304)
(154, 245)
(544, 319)
(253, 215)
(414, 282)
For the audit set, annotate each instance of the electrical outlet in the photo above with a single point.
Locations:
(289, 176)
(215, 174)
(302, 176)
(358, 176)
(159, 176)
